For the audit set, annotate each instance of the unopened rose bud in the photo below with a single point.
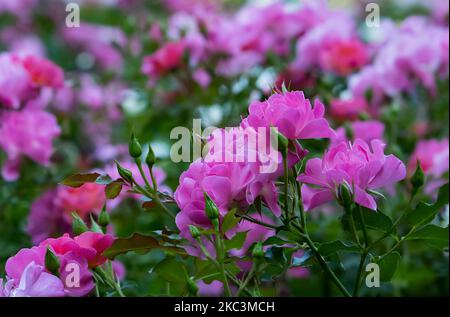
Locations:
(78, 225)
(103, 218)
(283, 142)
(51, 262)
(134, 147)
(124, 173)
(418, 178)
(195, 233)
(345, 195)
(150, 159)
(212, 211)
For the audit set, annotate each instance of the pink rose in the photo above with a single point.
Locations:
(292, 114)
(358, 165)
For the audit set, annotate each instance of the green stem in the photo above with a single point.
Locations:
(348, 211)
(300, 204)
(144, 177)
(152, 176)
(360, 270)
(286, 183)
(247, 279)
(221, 257)
(155, 198)
(325, 267)
(261, 223)
(364, 229)
(398, 243)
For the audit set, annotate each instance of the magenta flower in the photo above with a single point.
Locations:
(15, 82)
(348, 109)
(88, 245)
(364, 130)
(88, 198)
(342, 57)
(415, 52)
(332, 46)
(292, 114)
(34, 282)
(232, 174)
(43, 73)
(359, 166)
(433, 157)
(163, 60)
(26, 133)
(67, 253)
(47, 217)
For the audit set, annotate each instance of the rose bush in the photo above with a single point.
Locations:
(325, 149)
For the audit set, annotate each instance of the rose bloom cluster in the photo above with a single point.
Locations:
(326, 39)
(361, 165)
(26, 128)
(27, 275)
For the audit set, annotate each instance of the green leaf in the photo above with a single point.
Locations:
(138, 243)
(206, 271)
(113, 189)
(328, 248)
(237, 241)
(274, 240)
(433, 235)
(77, 180)
(388, 266)
(94, 226)
(276, 256)
(103, 179)
(374, 220)
(425, 212)
(171, 270)
(230, 220)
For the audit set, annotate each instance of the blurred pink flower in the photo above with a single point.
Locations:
(43, 72)
(357, 165)
(292, 114)
(29, 133)
(15, 82)
(88, 198)
(364, 130)
(163, 60)
(47, 217)
(414, 52)
(343, 56)
(348, 109)
(433, 156)
(332, 45)
(99, 42)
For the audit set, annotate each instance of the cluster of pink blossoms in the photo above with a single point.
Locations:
(27, 275)
(207, 36)
(236, 183)
(26, 129)
(416, 52)
(433, 157)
